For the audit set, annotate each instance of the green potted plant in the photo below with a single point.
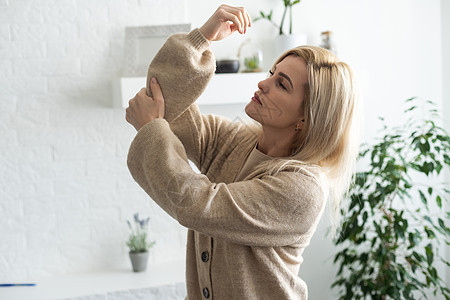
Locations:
(395, 219)
(138, 243)
(250, 57)
(284, 40)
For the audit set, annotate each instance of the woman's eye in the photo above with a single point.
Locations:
(280, 83)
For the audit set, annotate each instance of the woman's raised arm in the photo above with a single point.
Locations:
(184, 65)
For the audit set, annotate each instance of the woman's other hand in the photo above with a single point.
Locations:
(226, 20)
(143, 109)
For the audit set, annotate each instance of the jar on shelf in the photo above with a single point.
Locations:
(250, 57)
(327, 41)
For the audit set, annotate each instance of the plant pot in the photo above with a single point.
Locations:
(139, 261)
(286, 42)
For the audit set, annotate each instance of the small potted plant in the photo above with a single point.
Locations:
(250, 57)
(138, 243)
(284, 41)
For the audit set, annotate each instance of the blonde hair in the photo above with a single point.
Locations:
(330, 136)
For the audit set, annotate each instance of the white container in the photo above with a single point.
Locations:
(286, 42)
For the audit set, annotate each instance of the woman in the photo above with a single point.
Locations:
(256, 204)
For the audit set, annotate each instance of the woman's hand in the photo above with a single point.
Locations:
(226, 20)
(143, 109)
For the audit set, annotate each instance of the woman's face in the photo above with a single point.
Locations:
(278, 102)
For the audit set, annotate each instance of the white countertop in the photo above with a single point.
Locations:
(97, 283)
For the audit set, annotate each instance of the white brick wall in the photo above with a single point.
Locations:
(65, 191)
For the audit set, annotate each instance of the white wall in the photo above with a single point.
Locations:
(445, 19)
(65, 192)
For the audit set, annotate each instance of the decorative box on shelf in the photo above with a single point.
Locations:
(224, 88)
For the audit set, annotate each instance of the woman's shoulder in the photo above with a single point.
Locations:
(295, 176)
(308, 182)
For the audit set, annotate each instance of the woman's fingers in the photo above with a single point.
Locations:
(142, 91)
(238, 13)
(244, 18)
(236, 21)
(158, 97)
(241, 15)
(218, 25)
(142, 109)
(156, 90)
(249, 20)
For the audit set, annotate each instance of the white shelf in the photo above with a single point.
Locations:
(225, 88)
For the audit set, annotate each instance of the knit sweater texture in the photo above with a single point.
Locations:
(245, 238)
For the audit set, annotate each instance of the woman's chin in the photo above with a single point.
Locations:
(250, 111)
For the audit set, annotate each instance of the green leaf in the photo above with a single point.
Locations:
(439, 201)
(442, 224)
(410, 109)
(377, 228)
(422, 197)
(446, 262)
(365, 216)
(424, 147)
(429, 253)
(430, 233)
(418, 256)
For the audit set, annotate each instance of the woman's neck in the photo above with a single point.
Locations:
(274, 143)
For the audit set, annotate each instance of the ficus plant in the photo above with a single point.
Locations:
(395, 220)
(287, 7)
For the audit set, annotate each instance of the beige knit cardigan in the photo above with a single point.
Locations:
(245, 239)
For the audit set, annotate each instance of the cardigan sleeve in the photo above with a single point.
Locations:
(264, 211)
(183, 66)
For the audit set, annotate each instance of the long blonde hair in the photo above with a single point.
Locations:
(330, 135)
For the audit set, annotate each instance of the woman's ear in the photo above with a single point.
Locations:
(299, 126)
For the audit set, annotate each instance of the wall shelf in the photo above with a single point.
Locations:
(224, 88)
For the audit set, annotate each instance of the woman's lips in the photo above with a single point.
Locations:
(256, 99)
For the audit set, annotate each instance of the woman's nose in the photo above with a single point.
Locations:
(262, 85)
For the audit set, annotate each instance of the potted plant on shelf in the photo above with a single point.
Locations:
(284, 41)
(138, 243)
(396, 220)
(250, 57)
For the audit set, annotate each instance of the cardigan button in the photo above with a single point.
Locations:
(205, 256)
(206, 293)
